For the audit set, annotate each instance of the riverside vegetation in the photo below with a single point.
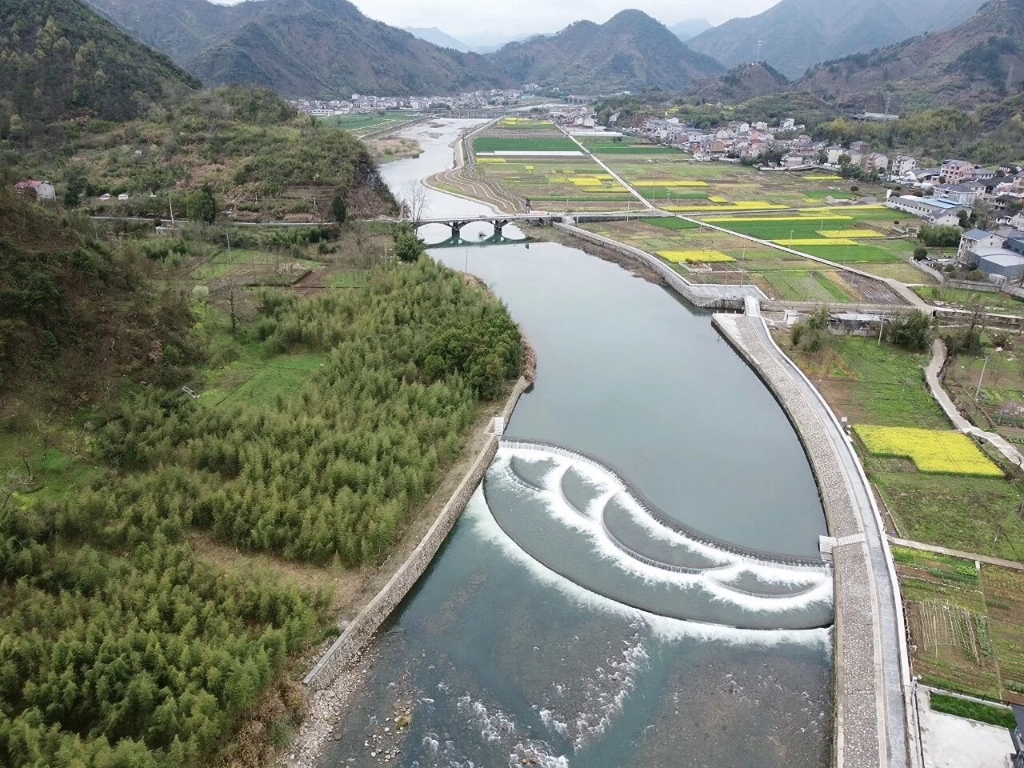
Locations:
(121, 644)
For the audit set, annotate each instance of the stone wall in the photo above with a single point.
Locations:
(360, 632)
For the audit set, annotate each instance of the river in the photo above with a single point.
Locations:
(630, 607)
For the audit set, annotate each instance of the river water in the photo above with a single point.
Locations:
(629, 607)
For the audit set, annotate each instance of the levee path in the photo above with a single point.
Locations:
(932, 376)
(871, 664)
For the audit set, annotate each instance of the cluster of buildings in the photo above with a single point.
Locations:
(940, 195)
(363, 104)
(736, 140)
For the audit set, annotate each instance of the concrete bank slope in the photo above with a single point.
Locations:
(871, 668)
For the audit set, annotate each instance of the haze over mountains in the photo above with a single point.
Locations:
(797, 34)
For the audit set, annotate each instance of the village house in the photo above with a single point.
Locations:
(938, 212)
(958, 194)
(957, 171)
(875, 162)
(42, 190)
(974, 239)
(902, 165)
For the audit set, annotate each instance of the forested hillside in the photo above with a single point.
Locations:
(253, 150)
(76, 311)
(980, 61)
(314, 48)
(121, 646)
(59, 60)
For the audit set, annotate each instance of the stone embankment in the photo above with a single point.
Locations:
(871, 664)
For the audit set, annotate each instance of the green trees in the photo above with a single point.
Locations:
(339, 211)
(939, 237)
(118, 646)
(202, 206)
(914, 332)
(408, 246)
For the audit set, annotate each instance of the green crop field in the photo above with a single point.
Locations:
(851, 254)
(500, 144)
(671, 223)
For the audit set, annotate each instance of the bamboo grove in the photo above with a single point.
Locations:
(118, 645)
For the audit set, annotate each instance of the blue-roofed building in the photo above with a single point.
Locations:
(974, 239)
(1015, 244)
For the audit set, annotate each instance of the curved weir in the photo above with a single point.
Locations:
(581, 520)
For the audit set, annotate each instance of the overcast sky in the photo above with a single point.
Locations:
(480, 21)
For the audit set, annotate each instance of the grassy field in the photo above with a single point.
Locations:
(779, 274)
(540, 144)
(733, 183)
(966, 625)
(557, 184)
(362, 124)
(998, 303)
(884, 385)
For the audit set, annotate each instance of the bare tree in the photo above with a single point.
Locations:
(415, 201)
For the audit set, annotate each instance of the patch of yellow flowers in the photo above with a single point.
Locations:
(932, 451)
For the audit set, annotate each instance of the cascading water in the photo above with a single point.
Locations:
(607, 542)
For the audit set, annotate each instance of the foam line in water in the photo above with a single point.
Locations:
(663, 628)
(605, 480)
(819, 589)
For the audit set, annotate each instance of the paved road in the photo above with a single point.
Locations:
(931, 375)
(872, 668)
(646, 203)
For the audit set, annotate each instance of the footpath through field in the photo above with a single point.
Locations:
(646, 203)
(942, 397)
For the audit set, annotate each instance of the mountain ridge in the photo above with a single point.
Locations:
(794, 35)
(979, 61)
(631, 50)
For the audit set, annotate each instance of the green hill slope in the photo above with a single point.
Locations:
(797, 34)
(980, 61)
(60, 60)
(629, 51)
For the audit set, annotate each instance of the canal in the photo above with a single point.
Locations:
(633, 583)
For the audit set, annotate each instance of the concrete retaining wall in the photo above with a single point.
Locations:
(672, 278)
(360, 632)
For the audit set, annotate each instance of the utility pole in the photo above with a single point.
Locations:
(881, 326)
(758, 59)
(981, 378)
(170, 202)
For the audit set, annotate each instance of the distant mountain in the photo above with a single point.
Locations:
(439, 38)
(60, 60)
(980, 61)
(797, 34)
(179, 28)
(629, 51)
(685, 30)
(316, 48)
(747, 81)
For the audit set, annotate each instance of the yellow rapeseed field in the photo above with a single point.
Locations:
(792, 243)
(859, 234)
(695, 257)
(932, 451)
(742, 205)
(802, 220)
